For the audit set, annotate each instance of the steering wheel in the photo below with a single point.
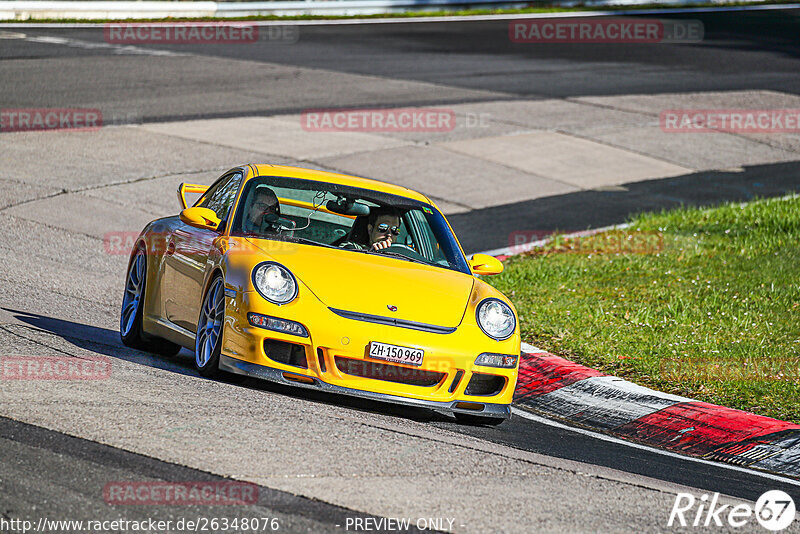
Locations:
(403, 250)
(396, 247)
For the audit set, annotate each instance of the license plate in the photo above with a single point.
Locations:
(393, 353)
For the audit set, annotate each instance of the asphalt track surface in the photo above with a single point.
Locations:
(462, 62)
(742, 50)
(448, 63)
(40, 474)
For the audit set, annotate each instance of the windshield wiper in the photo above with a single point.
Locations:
(283, 238)
(400, 256)
(305, 241)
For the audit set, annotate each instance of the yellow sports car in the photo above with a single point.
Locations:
(325, 281)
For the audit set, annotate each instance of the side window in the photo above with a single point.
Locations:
(422, 232)
(404, 236)
(221, 195)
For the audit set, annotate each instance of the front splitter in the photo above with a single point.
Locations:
(239, 367)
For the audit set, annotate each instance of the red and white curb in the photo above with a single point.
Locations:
(561, 389)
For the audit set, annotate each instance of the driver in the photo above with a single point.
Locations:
(265, 202)
(383, 225)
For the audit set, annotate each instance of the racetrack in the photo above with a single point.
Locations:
(192, 111)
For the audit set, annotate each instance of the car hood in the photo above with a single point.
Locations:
(372, 284)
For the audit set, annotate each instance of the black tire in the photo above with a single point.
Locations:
(477, 420)
(130, 327)
(208, 345)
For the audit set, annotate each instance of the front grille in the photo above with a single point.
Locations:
(485, 385)
(390, 373)
(286, 353)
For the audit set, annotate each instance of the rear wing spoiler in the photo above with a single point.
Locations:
(189, 188)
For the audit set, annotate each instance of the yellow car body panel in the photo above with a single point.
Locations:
(334, 286)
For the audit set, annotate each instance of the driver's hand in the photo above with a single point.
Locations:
(386, 242)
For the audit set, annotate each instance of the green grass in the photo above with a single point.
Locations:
(542, 8)
(713, 315)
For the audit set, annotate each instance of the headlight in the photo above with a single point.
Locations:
(274, 282)
(496, 319)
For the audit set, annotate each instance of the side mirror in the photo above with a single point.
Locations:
(485, 264)
(200, 218)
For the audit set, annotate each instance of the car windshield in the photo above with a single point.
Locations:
(347, 218)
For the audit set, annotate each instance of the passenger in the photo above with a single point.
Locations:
(265, 203)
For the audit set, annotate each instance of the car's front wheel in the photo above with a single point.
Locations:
(130, 319)
(208, 341)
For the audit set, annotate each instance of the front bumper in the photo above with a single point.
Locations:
(336, 342)
(232, 365)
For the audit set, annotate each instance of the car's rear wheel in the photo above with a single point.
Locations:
(469, 419)
(130, 320)
(208, 341)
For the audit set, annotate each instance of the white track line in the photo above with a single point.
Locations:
(530, 350)
(92, 45)
(460, 18)
(604, 437)
(516, 250)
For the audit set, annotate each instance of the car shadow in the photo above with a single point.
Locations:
(102, 341)
(106, 342)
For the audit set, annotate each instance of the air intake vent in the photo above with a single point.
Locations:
(456, 380)
(286, 353)
(321, 360)
(485, 385)
(390, 373)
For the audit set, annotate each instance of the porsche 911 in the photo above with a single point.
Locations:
(325, 281)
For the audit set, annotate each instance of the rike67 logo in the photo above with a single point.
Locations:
(774, 510)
